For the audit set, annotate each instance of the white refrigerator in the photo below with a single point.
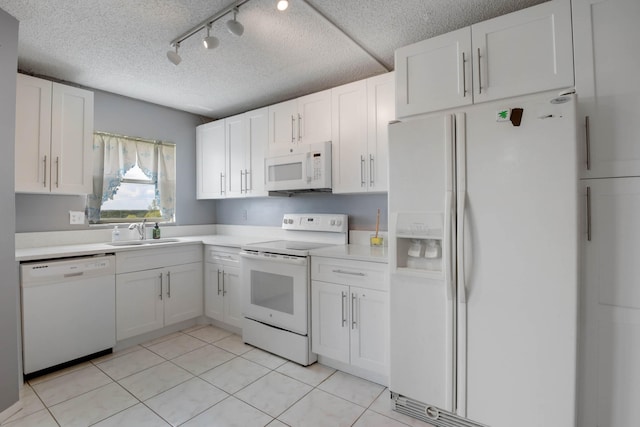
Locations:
(484, 264)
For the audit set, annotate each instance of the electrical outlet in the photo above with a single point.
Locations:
(76, 217)
(244, 214)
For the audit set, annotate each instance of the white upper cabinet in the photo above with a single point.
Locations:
(523, 52)
(360, 114)
(54, 134)
(210, 156)
(381, 110)
(303, 120)
(515, 54)
(256, 136)
(606, 35)
(230, 156)
(235, 155)
(349, 146)
(434, 74)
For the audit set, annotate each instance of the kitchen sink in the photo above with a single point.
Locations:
(142, 242)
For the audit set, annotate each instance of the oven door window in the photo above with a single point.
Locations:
(272, 291)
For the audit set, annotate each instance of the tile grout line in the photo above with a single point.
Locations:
(242, 356)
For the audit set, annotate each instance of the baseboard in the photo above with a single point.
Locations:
(10, 411)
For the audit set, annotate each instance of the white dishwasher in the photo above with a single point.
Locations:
(68, 310)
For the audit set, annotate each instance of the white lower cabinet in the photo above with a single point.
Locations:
(222, 286)
(609, 380)
(155, 296)
(350, 313)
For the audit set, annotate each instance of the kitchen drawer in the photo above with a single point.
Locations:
(370, 275)
(222, 255)
(149, 258)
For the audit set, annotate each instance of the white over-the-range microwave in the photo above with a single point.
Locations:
(303, 167)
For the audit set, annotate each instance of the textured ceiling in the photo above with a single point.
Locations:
(120, 46)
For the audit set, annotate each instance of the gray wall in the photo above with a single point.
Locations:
(9, 282)
(127, 116)
(362, 209)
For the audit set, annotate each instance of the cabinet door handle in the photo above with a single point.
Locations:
(354, 323)
(588, 214)
(224, 290)
(371, 179)
(344, 307)
(220, 183)
(45, 170)
(587, 141)
(293, 138)
(362, 180)
(299, 126)
(464, 76)
(219, 282)
(479, 73)
(246, 181)
(241, 174)
(168, 284)
(160, 287)
(57, 171)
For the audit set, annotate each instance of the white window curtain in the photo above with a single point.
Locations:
(114, 155)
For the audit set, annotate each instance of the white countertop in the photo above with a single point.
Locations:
(351, 251)
(354, 252)
(64, 251)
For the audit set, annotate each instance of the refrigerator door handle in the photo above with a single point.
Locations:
(461, 161)
(449, 207)
(462, 289)
(446, 251)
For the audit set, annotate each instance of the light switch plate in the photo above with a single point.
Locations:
(76, 217)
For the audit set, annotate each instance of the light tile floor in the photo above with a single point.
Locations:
(203, 376)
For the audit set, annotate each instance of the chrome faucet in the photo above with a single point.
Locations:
(140, 227)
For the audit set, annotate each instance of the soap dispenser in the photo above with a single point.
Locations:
(156, 231)
(115, 234)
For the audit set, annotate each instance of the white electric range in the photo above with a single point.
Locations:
(276, 278)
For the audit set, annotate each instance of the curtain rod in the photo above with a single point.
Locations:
(135, 138)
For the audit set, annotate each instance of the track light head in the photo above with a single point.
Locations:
(234, 26)
(282, 5)
(210, 42)
(173, 55)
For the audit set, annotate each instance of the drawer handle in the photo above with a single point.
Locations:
(351, 273)
(160, 287)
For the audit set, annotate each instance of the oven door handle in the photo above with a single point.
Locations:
(274, 258)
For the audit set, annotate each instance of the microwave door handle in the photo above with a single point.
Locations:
(309, 167)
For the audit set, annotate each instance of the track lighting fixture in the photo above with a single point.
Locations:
(234, 26)
(173, 55)
(210, 42)
(282, 5)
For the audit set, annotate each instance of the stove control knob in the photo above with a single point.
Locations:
(332, 222)
(338, 222)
